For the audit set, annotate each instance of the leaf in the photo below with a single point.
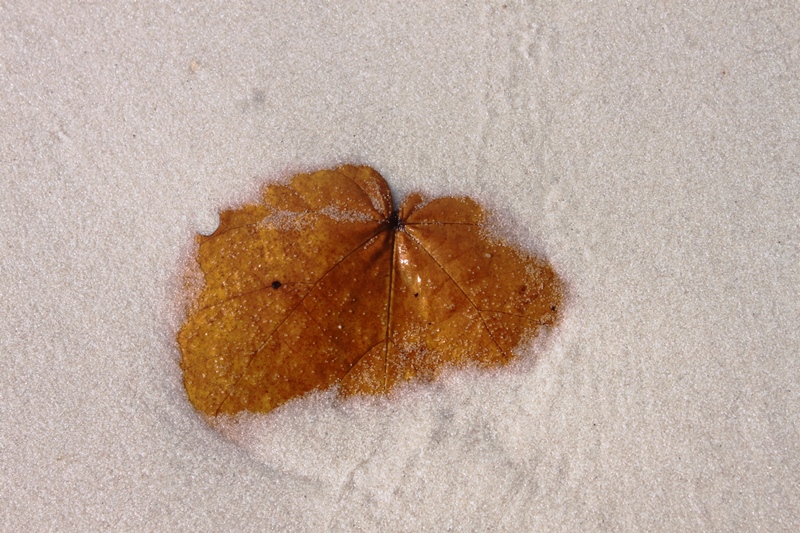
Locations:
(323, 285)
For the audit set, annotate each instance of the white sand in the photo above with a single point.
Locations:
(652, 151)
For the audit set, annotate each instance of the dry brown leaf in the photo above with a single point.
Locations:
(323, 285)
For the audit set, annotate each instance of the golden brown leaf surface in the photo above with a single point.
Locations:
(322, 285)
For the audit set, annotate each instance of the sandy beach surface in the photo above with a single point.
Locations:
(650, 150)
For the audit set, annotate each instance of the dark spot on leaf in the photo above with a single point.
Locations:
(394, 220)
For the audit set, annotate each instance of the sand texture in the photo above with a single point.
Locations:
(650, 150)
